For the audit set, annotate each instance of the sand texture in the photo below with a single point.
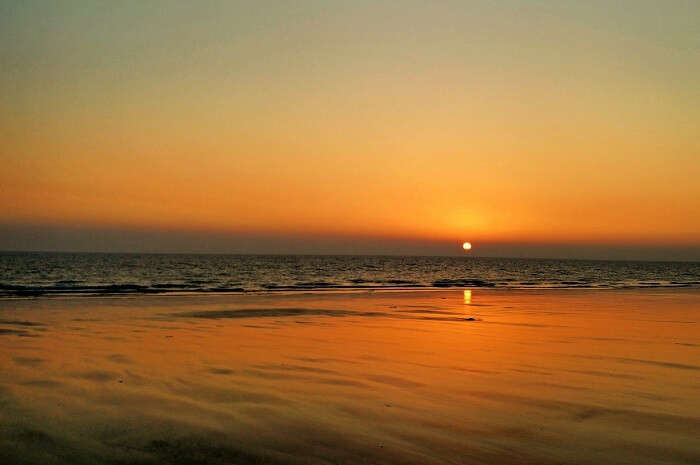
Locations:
(392, 377)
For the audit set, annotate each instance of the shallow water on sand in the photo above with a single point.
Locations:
(409, 377)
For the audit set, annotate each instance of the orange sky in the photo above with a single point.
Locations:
(536, 123)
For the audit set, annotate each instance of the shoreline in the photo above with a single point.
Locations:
(346, 290)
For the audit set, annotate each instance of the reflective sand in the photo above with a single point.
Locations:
(510, 377)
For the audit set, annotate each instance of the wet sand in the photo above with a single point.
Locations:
(422, 377)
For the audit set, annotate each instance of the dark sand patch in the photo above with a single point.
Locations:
(16, 332)
(264, 313)
(221, 371)
(120, 358)
(20, 323)
(297, 312)
(34, 437)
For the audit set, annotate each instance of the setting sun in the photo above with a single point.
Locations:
(467, 246)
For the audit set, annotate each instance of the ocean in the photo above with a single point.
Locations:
(46, 274)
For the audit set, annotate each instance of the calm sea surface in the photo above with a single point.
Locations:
(35, 274)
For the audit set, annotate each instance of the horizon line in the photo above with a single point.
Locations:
(253, 254)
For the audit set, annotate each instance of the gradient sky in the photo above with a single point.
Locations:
(363, 126)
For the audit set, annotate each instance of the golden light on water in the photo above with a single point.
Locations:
(467, 246)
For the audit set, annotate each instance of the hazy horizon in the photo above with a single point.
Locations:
(99, 240)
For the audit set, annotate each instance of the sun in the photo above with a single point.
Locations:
(467, 246)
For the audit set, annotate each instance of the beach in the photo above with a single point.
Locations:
(454, 376)
(350, 233)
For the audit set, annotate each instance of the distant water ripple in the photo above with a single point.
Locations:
(41, 274)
